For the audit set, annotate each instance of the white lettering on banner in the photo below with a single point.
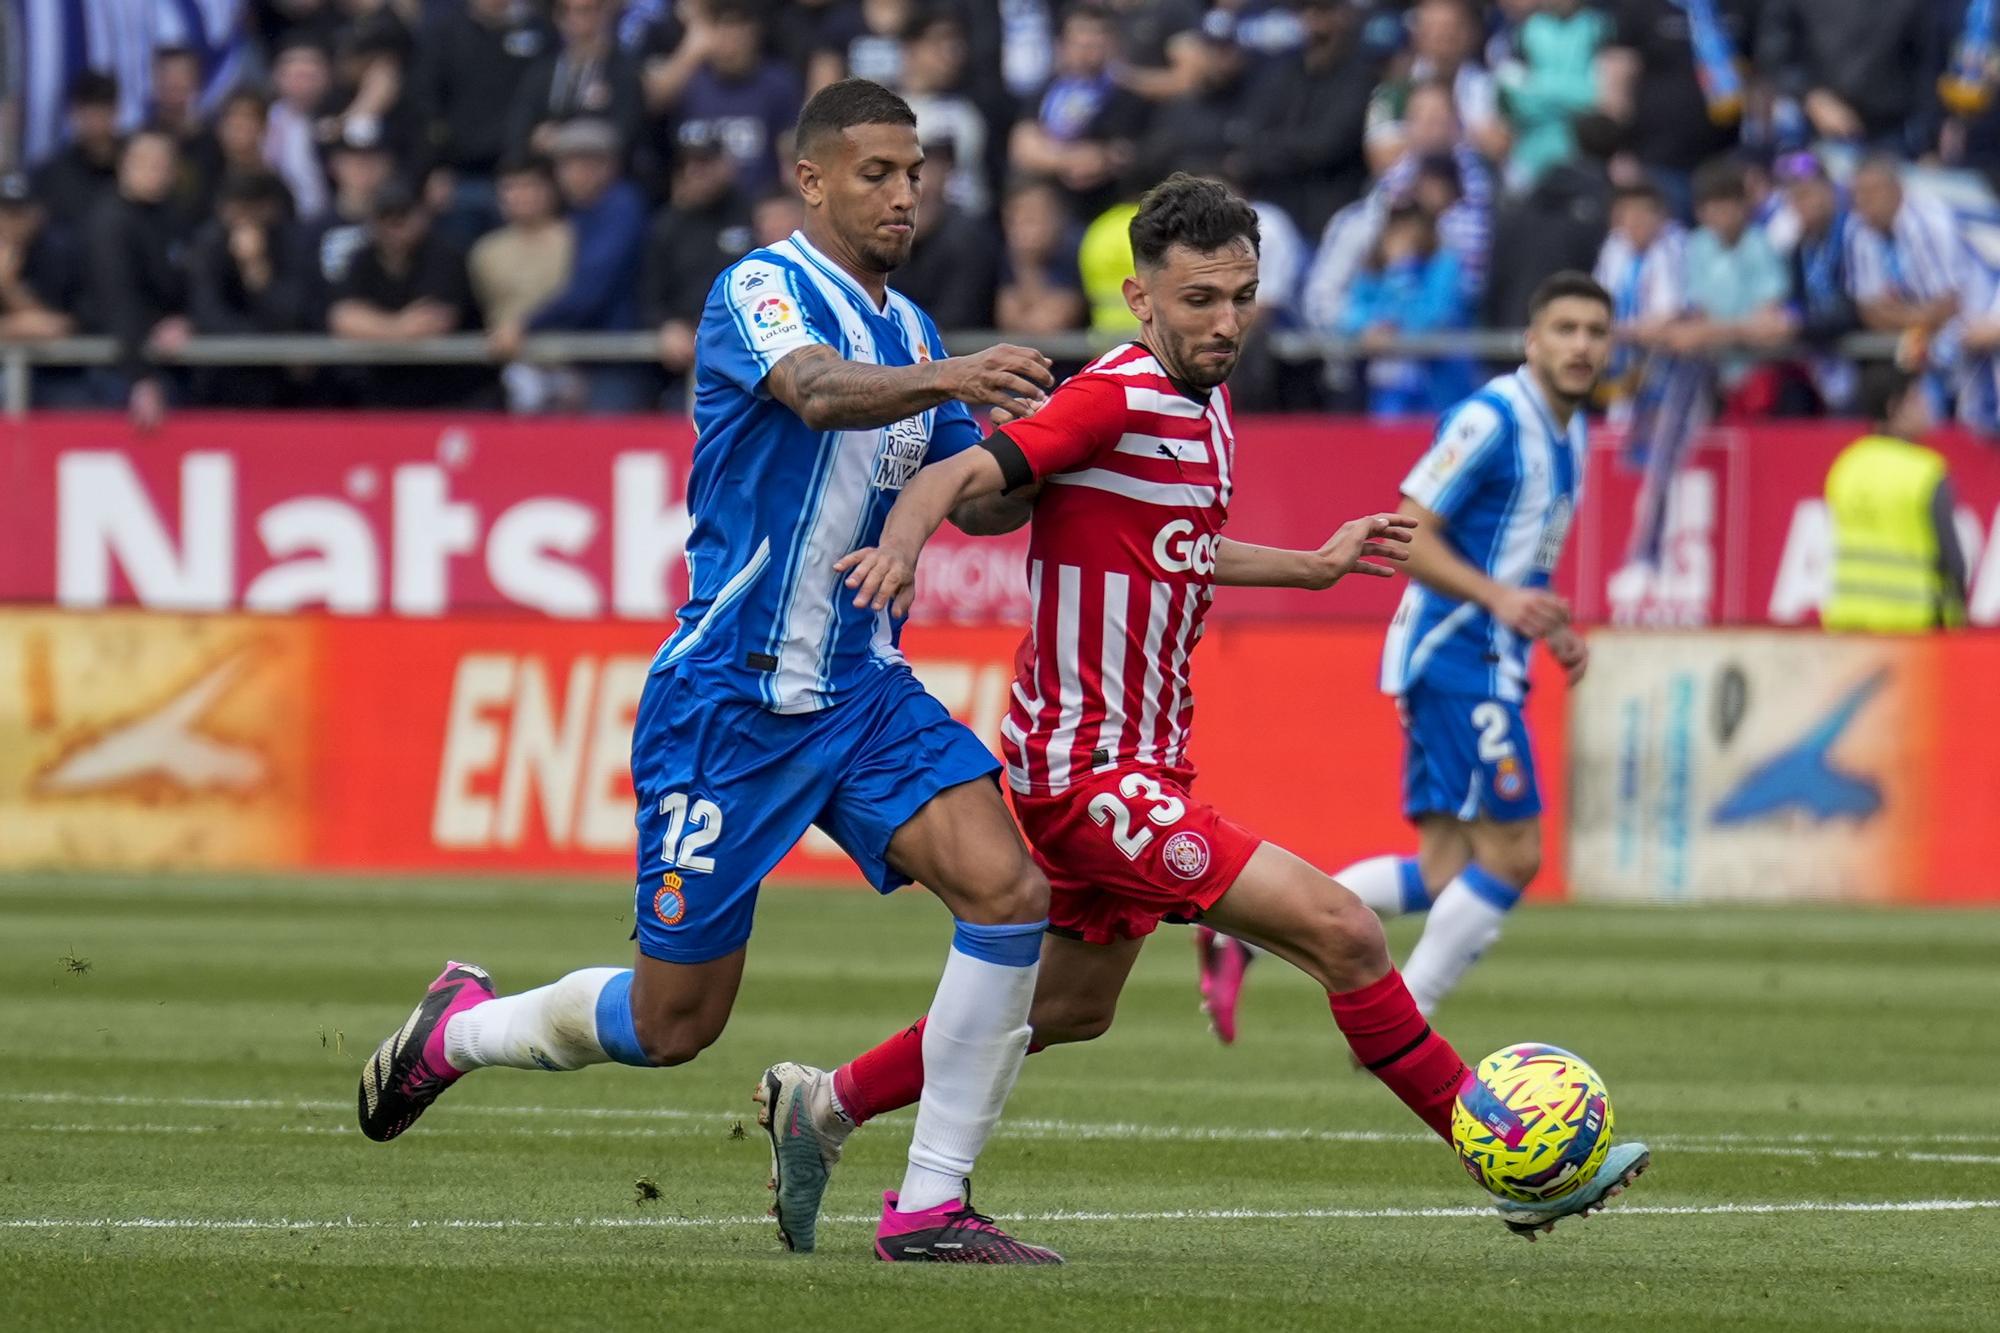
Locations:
(104, 517)
(1805, 570)
(567, 763)
(1982, 558)
(521, 557)
(973, 583)
(463, 817)
(430, 528)
(344, 573)
(648, 530)
(1680, 590)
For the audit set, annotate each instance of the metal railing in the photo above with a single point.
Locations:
(18, 359)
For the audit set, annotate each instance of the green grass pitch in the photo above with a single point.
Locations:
(177, 1141)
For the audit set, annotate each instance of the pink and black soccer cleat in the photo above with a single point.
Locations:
(951, 1233)
(408, 1071)
(1223, 960)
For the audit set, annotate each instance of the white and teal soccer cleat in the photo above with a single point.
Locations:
(1625, 1163)
(795, 1107)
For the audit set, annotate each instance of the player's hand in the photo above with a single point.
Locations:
(881, 577)
(1004, 376)
(1571, 651)
(1017, 410)
(1532, 612)
(1356, 547)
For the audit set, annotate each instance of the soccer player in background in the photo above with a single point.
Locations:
(778, 703)
(1133, 459)
(1493, 500)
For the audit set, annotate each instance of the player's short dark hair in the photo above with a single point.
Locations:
(1720, 182)
(849, 102)
(1561, 286)
(1203, 215)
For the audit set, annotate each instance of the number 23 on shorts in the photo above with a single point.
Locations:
(1162, 809)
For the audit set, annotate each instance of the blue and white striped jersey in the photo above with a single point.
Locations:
(774, 502)
(1507, 481)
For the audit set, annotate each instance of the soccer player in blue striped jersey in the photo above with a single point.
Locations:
(777, 704)
(1494, 498)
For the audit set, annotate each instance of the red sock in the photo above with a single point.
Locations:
(887, 1078)
(1389, 1036)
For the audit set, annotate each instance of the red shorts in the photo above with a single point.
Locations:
(1128, 849)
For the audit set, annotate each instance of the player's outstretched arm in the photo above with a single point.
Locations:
(1533, 612)
(885, 575)
(829, 393)
(1354, 549)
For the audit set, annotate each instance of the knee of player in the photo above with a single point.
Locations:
(1062, 1026)
(1015, 896)
(673, 1039)
(1516, 858)
(1346, 937)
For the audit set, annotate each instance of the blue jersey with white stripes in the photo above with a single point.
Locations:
(1506, 480)
(774, 502)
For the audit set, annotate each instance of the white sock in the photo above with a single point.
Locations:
(1464, 922)
(974, 1039)
(1390, 885)
(550, 1027)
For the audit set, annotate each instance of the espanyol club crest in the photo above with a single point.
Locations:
(1186, 854)
(1508, 779)
(670, 904)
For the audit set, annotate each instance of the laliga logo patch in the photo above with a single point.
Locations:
(771, 312)
(669, 904)
(1508, 779)
(1186, 854)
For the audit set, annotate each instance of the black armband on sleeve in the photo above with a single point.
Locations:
(1014, 466)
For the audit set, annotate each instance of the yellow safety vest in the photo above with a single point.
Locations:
(1885, 547)
(1105, 260)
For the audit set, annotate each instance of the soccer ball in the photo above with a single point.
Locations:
(1532, 1123)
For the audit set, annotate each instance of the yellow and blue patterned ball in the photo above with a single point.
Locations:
(1532, 1123)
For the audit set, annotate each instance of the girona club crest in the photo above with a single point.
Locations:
(1186, 854)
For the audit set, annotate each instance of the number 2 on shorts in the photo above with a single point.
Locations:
(701, 822)
(1108, 809)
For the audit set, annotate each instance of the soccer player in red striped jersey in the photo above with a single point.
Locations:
(1129, 468)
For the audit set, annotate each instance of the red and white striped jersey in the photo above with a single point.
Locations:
(1121, 569)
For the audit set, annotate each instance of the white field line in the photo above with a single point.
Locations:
(713, 1130)
(696, 1124)
(1060, 1215)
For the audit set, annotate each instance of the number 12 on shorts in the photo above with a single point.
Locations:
(692, 826)
(1108, 809)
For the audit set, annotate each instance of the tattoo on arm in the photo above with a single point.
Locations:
(829, 393)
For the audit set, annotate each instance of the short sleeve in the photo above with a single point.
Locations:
(754, 318)
(1450, 471)
(1082, 418)
(953, 430)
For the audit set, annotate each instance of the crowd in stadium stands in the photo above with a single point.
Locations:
(1746, 176)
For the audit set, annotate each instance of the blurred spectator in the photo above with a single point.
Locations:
(407, 283)
(138, 287)
(1737, 289)
(1910, 267)
(1644, 267)
(233, 143)
(1560, 223)
(40, 283)
(776, 215)
(85, 170)
(1675, 106)
(1041, 290)
(518, 266)
(361, 166)
(1549, 80)
(248, 274)
(174, 105)
(1409, 285)
(1865, 71)
(1104, 258)
(1261, 27)
(864, 40)
(1027, 45)
(954, 257)
(1082, 129)
(587, 74)
(1303, 123)
(741, 97)
(317, 21)
(1444, 49)
(1201, 128)
(1822, 310)
(467, 80)
(608, 215)
(372, 87)
(704, 228)
(1158, 39)
(301, 78)
(1437, 158)
(933, 82)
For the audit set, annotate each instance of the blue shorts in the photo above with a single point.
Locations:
(726, 788)
(1466, 756)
